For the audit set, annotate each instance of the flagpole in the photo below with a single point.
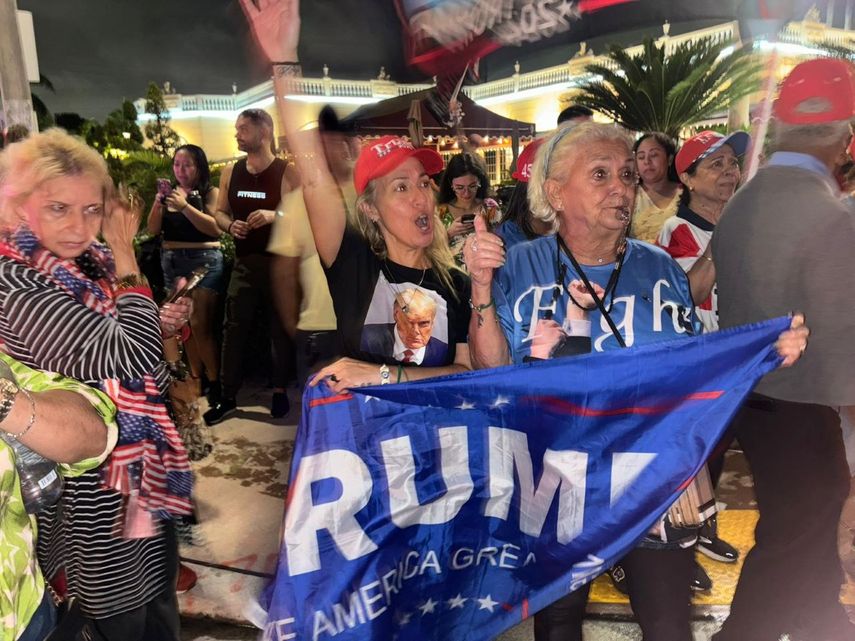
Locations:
(761, 126)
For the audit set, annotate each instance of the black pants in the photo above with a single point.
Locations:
(157, 620)
(248, 293)
(792, 576)
(659, 592)
(314, 351)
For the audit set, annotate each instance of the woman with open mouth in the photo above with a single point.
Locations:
(582, 185)
(388, 269)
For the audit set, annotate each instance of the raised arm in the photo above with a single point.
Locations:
(155, 217)
(276, 26)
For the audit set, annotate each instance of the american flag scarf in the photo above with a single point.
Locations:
(149, 464)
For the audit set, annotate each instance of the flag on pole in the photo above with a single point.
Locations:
(452, 509)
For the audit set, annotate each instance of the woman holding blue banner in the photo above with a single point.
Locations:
(583, 184)
(401, 302)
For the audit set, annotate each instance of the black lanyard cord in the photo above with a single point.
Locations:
(611, 287)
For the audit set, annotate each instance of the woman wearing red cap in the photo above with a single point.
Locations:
(708, 166)
(401, 302)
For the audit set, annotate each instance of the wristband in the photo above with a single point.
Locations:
(292, 63)
(131, 281)
(400, 371)
(480, 308)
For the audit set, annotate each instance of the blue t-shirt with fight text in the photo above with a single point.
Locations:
(651, 302)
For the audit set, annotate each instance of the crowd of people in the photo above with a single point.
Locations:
(367, 270)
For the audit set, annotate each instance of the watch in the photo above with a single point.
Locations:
(8, 393)
(385, 376)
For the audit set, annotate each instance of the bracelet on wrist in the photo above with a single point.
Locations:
(32, 420)
(385, 376)
(481, 308)
(131, 281)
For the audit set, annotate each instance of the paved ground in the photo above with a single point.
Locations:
(240, 490)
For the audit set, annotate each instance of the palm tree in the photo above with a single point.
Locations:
(653, 91)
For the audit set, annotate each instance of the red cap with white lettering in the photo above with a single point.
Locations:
(381, 156)
(526, 161)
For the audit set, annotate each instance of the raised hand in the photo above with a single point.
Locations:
(483, 252)
(276, 27)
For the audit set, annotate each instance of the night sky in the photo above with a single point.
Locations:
(97, 52)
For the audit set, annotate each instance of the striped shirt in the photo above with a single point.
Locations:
(45, 328)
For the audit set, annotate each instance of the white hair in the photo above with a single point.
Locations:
(554, 159)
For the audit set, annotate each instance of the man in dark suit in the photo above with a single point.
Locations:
(408, 339)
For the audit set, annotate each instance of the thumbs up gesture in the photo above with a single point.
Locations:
(483, 252)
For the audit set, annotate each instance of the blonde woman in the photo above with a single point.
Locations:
(396, 243)
(69, 304)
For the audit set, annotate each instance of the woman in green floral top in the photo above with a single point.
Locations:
(69, 428)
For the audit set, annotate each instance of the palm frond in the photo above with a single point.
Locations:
(652, 91)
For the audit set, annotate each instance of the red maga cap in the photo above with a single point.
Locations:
(817, 91)
(381, 156)
(526, 161)
(705, 143)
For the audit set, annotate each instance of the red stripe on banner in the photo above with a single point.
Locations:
(587, 6)
(567, 407)
(330, 400)
(525, 609)
(685, 484)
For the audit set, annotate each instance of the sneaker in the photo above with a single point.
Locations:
(701, 581)
(715, 548)
(280, 406)
(186, 579)
(220, 412)
(618, 576)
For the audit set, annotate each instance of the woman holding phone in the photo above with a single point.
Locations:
(182, 214)
(463, 196)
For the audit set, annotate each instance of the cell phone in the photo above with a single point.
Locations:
(193, 280)
(467, 219)
(164, 188)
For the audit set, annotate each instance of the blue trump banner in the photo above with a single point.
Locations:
(454, 508)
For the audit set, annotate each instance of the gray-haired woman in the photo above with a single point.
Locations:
(583, 184)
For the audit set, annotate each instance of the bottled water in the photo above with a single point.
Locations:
(41, 482)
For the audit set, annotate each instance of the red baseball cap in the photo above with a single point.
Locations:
(526, 161)
(817, 91)
(707, 142)
(381, 156)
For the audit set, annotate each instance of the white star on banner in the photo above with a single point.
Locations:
(466, 405)
(404, 618)
(457, 602)
(368, 397)
(428, 607)
(500, 400)
(487, 603)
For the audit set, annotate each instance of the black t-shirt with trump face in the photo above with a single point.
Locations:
(389, 313)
